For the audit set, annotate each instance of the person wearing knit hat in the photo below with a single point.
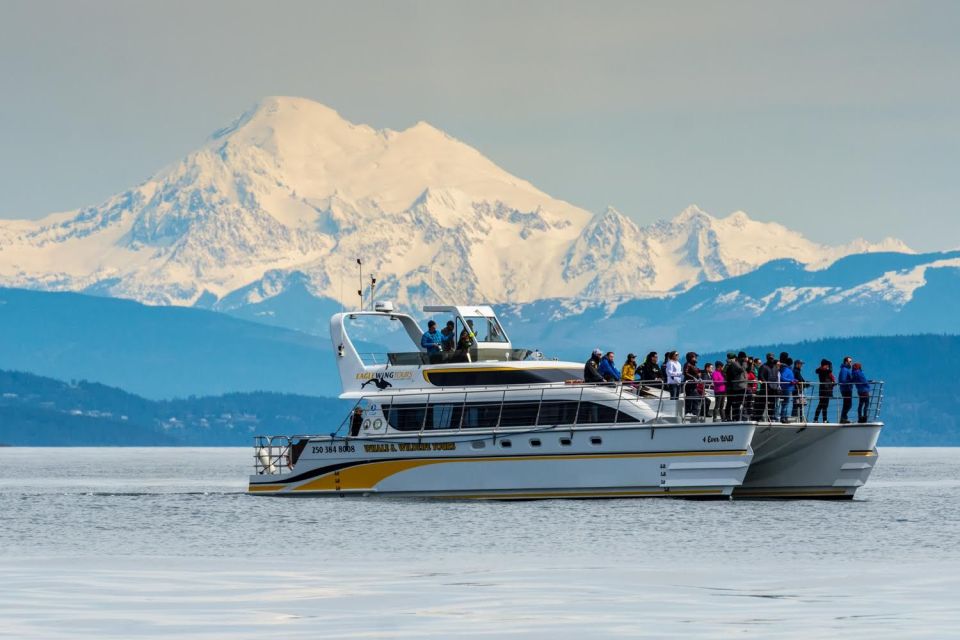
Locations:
(591, 369)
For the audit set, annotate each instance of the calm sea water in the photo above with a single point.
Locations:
(120, 543)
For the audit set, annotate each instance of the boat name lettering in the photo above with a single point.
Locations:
(385, 375)
(727, 437)
(409, 446)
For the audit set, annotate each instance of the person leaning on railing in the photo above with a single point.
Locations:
(845, 380)
(859, 379)
(650, 372)
(591, 368)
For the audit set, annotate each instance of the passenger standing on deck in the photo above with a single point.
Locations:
(827, 383)
(719, 392)
(591, 369)
(799, 397)
(629, 369)
(788, 388)
(674, 374)
(448, 341)
(692, 385)
(650, 372)
(859, 378)
(750, 402)
(845, 379)
(769, 377)
(608, 370)
(431, 340)
(356, 421)
(736, 379)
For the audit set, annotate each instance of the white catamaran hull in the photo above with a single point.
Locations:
(684, 460)
(810, 460)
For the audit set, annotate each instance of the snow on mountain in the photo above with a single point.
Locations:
(293, 193)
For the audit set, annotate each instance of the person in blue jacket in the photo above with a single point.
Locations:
(845, 381)
(608, 369)
(788, 388)
(859, 379)
(432, 339)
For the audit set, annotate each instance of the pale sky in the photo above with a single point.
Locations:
(839, 119)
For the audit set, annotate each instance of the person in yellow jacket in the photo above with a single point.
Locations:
(629, 369)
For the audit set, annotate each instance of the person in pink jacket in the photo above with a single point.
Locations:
(719, 392)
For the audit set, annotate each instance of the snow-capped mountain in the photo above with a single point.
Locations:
(291, 194)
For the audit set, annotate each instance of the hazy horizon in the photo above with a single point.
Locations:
(835, 120)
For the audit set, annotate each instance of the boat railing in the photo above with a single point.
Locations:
(499, 407)
(418, 358)
(272, 454)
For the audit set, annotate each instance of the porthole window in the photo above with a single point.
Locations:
(596, 441)
(534, 442)
(478, 444)
(505, 444)
(565, 442)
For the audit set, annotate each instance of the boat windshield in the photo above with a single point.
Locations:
(486, 329)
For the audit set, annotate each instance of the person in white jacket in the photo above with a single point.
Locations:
(674, 374)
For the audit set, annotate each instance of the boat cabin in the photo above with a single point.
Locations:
(382, 349)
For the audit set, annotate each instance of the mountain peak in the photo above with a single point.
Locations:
(691, 213)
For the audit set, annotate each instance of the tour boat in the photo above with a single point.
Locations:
(490, 421)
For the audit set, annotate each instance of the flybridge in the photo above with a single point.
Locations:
(476, 351)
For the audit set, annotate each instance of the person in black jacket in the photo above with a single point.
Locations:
(650, 373)
(827, 383)
(591, 369)
(736, 379)
(692, 385)
(799, 398)
(769, 377)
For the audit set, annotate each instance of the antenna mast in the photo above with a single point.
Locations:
(360, 290)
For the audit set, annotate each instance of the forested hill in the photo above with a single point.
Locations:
(39, 411)
(921, 403)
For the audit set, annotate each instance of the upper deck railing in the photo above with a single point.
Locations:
(416, 358)
(693, 401)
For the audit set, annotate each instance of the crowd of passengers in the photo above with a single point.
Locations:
(744, 387)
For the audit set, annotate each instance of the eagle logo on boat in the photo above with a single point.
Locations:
(379, 382)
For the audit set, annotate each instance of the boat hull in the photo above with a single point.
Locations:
(697, 461)
(813, 461)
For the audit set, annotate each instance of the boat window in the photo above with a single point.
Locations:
(413, 417)
(596, 441)
(563, 411)
(478, 444)
(486, 329)
(534, 442)
(518, 414)
(506, 444)
(406, 417)
(489, 377)
(565, 442)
